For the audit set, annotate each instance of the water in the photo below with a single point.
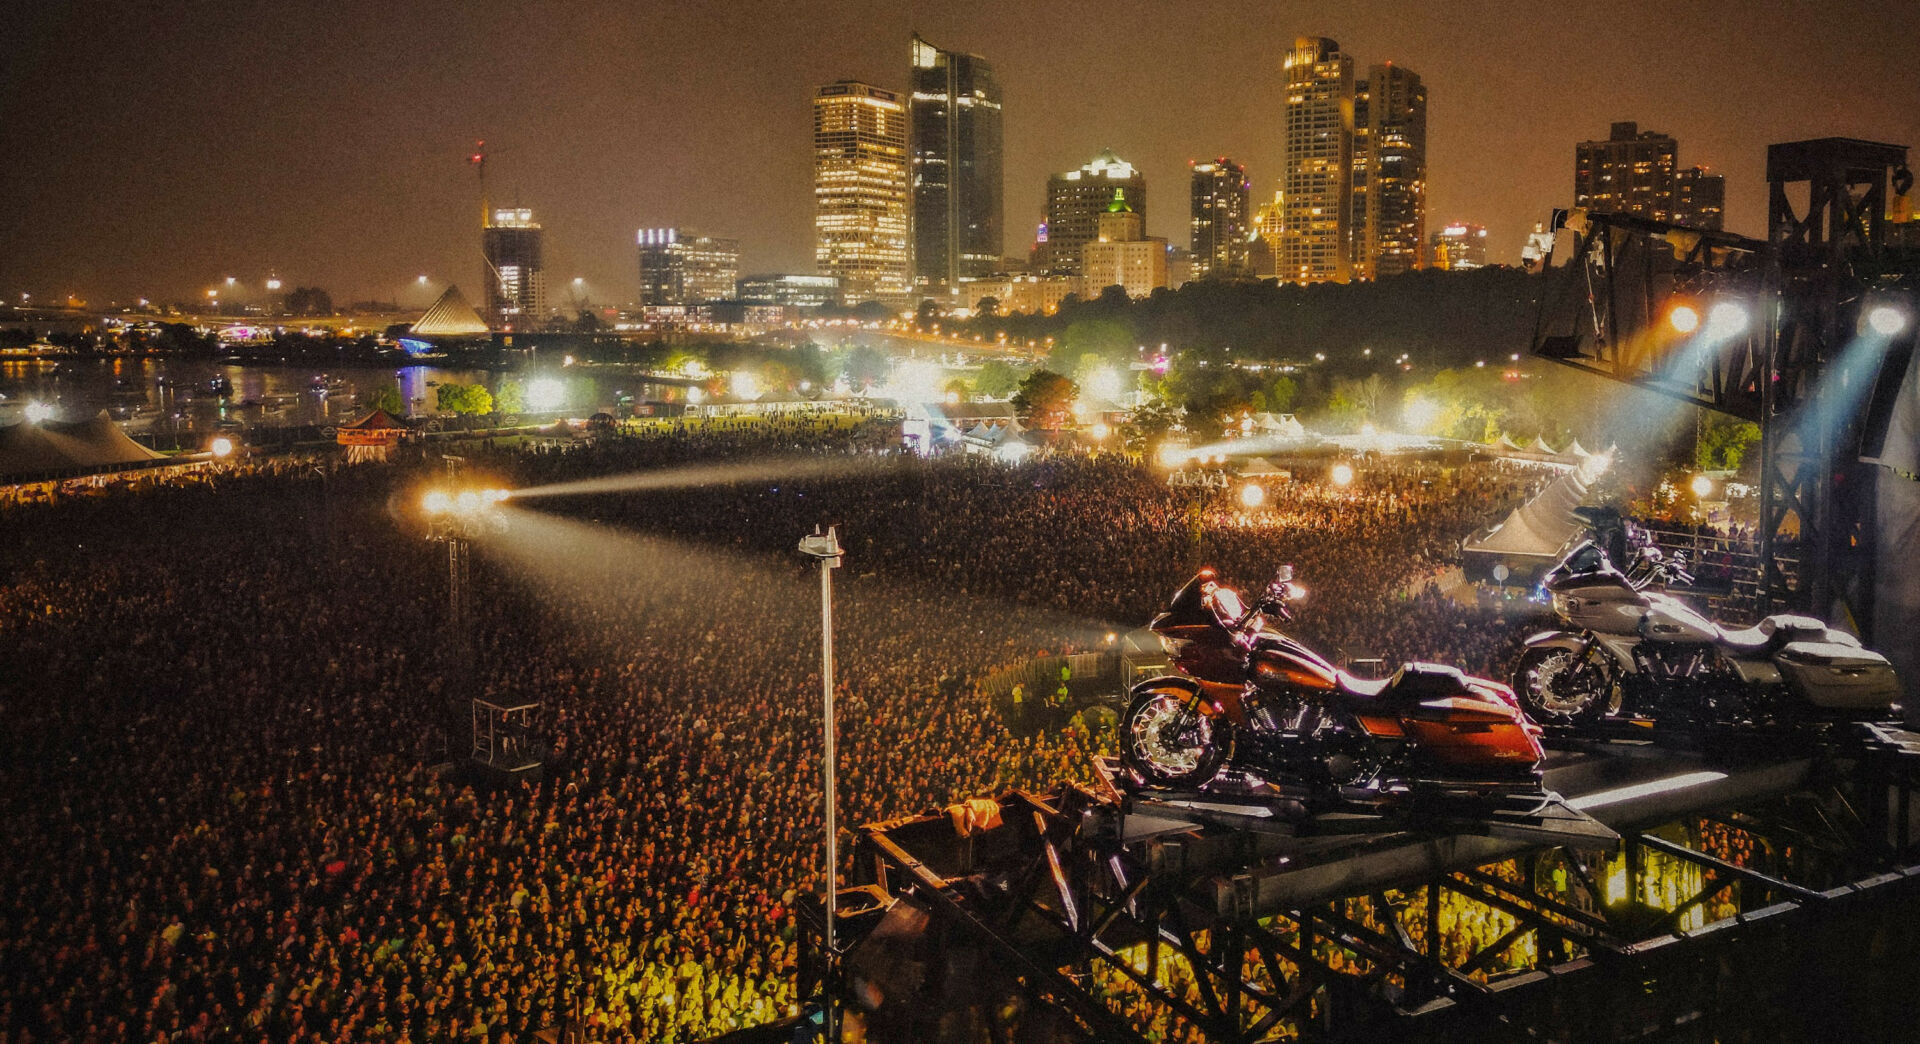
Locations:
(168, 401)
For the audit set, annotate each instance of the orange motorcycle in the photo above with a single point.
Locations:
(1252, 701)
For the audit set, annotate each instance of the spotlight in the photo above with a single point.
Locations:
(1702, 485)
(38, 411)
(1726, 319)
(221, 446)
(546, 393)
(1252, 496)
(467, 501)
(436, 502)
(1099, 431)
(1886, 320)
(1684, 319)
(1342, 475)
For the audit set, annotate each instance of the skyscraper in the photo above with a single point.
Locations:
(1389, 215)
(1122, 254)
(860, 191)
(678, 267)
(516, 276)
(1316, 182)
(1221, 219)
(1075, 201)
(1699, 198)
(1459, 248)
(957, 182)
(1631, 172)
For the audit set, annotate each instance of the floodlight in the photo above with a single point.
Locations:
(221, 446)
(1342, 474)
(38, 411)
(1684, 319)
(1252, 496)
(436, 502)
(1886, 320)
(1702, 485)
(1726, 319)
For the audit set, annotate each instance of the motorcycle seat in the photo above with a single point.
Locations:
(1776, 631)
(1365, 688)
(1413, 682)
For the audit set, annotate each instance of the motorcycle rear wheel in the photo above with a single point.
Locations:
(1553, 694)
(1172, 742)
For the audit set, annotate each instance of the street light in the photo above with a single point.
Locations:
(825, 548)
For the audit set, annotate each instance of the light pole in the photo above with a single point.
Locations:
(825, 547)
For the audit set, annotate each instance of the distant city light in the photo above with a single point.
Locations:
(545, 393)
(1105, 384)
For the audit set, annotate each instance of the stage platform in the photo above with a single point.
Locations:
(1649, 858)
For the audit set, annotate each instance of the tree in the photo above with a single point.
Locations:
(1046, 399)
(997, 380)
(867, 365)
(988, 306)
(387, 397)
(512, 397)
(463, 399)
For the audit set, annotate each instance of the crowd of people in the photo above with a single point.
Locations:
(235, 719)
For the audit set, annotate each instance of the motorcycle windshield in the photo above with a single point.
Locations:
(1587, 560)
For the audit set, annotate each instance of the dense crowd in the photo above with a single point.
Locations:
(231, 713)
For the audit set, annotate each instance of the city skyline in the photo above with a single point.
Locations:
(329, 149)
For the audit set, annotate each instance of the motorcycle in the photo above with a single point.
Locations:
(1249, 699)
(1630, 650)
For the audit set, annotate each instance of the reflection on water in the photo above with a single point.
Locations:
(167, 396)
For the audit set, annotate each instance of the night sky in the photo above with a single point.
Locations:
(156, 148)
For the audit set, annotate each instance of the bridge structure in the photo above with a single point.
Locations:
(1676, 889)
(1808, 333)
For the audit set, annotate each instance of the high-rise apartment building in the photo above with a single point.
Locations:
(958, 214)
(1631, 172)
(1222, 220)
(1700, 198)
(1638, 172)
(1075, 201)
(860, 191)
(678, 267)
(1122, 254)
(1316, 182)
(516, 275)
(1389, 194)
(1269, 221)
(1459, 247)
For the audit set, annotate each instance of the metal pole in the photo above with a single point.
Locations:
(826, 548)
(833, 835)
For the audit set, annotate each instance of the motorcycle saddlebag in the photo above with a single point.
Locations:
(1839, 677)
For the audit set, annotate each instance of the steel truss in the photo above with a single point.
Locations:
(1053, 917)
(1788, 370)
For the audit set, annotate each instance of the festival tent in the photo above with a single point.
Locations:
(1536, 535)
(65, 446)
(1283, 424)
(1539, 445)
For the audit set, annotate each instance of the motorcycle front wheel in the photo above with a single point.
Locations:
(1171, 741)
(1553, 692)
